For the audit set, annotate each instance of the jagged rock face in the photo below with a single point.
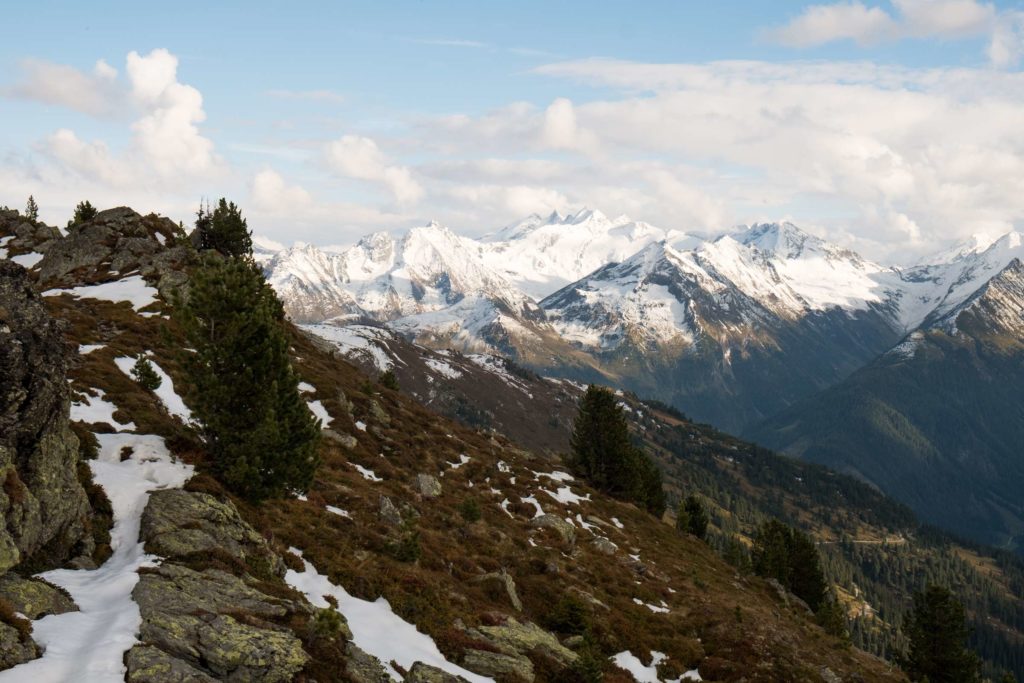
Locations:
(43, 507)
(26, 235)
(117, 241)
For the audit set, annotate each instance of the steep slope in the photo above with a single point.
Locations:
(937, 421)
(732, 330)
(477, 542)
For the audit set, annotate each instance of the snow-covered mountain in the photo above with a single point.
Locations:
(731, 327)
(541, 255)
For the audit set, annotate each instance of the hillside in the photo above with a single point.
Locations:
(936, 422)
(479, 543)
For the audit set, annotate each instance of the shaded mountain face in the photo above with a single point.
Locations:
(936, 422)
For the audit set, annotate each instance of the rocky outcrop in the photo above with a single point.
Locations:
(510, 646)
(180, 523)
(43, 508)
(26, 235)
(34, 598)
(118, 241)
(424, 673)
(199, 621)
(563, 528)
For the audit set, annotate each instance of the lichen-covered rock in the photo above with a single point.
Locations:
(603, 545)
(428, 486)
(389, 512)
(239, 652)
(14, 648)
(511, 643)
(379, 414)
(176, 589)
(345, 440)
(424, 673)
(363, 668)
(499, 665)
(43, 507)
(564, 529)
(504, 581)
(148, 664)
(180, 523)
(34, 598)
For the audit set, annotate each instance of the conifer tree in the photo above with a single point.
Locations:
(937, 632)
(31, 209)
(259, 433)
(145, 375)
(603, 454)
(696, 517)
(224, 229)
(85, 211)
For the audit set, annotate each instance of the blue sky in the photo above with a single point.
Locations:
(889, 126)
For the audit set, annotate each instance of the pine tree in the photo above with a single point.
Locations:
(224, 229)
(260, 435)
(806, 579)
(697, 518)
(830, 616)
(389, 380)
(603, 454)
(145, 375)
(937, 631)
(770, 555)
(85, 211)
(31, 209)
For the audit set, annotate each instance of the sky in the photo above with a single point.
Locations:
(889, 127)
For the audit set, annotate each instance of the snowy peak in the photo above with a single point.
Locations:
(784, 240)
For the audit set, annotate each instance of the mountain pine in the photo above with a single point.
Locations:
(31, 209)
(260, 435)
(224, 229)
(937, 632)
(85, 211)
(603, 454)
(692, 518)
(145, 375)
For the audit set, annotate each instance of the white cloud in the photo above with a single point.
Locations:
(360, 157)
(166, 147)
(94, 93)
(271, 194)
(943, 19)
(845, 20)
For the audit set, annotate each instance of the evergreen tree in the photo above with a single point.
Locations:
(145, 375)
(31, 209)
(770, 555)
(682, 518)
(603, 454)
(806, 579)
(260, 435)
(85, 211)
(830, 616)
(389, 380)
(224, 229)
(696, 517)
(938, 635)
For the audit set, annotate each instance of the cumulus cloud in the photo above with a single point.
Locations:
(943, 19)
(272, 194)
(94, 92)
(360, 157)
(166, 145)
(845, 20)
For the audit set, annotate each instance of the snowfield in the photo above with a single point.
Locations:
(89, 646)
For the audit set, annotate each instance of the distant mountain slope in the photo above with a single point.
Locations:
(937, 422)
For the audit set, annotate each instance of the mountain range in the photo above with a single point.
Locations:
(760, 331)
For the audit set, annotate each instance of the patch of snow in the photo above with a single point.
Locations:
(369, 475)
(442, 368)
(98, 409)
(357, 340)
(132, 289)
(376, 629)
(627, 661)
(503, 467)
(317, 408)
(307, 388)
(27, 260)
(165, 392)
(89, 645)
(504, 506)
(586, 525)
(83, 349)
(554, 476)
(535, 503)
(360, 425)
(617, 523)
(566, 496)
(463, 459)
(338, 511)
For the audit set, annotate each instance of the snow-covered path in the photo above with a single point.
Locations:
(89, 646)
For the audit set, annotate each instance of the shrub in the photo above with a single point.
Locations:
(470, 509)
(389, 380)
